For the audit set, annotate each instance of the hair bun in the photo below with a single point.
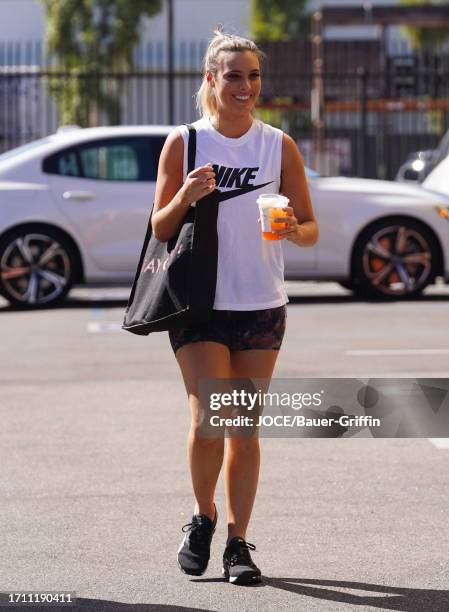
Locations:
(219, 34)
(218, 30)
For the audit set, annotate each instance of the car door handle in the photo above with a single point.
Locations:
(78, 195)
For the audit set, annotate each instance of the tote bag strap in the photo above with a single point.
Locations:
(149, 232)
(191, 154)
(191, 151)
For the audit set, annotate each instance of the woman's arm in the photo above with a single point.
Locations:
(173, 197)
(302, 227)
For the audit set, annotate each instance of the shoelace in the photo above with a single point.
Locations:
(199, 534)
(242, 556)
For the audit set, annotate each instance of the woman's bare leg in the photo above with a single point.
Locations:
(242, 463)
(203, 360)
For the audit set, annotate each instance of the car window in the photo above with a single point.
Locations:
(131, 158)
(67, 164)
(64, 163)
(110, 162)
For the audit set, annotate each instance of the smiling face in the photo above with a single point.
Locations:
(237, 81)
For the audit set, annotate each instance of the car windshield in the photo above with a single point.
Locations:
(26, 147)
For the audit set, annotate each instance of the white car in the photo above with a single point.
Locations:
(74, 210)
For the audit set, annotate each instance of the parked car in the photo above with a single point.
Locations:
(74, 210)
(419, 164)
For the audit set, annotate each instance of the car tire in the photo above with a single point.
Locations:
(37, 266)
(395, 259)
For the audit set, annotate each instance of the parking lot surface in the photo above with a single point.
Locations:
(95, 485)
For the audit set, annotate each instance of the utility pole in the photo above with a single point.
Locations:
(171, 67)
(317, 94)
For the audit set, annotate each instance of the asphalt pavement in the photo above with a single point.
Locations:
(95, 487)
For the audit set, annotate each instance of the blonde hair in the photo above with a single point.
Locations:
(205, 96)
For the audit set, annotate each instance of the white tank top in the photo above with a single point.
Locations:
(250, 273)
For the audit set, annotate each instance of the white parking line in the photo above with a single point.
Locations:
(442, 443)
(96, 327)
(373, 352)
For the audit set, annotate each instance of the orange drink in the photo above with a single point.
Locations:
(274, 213)
(271, 206)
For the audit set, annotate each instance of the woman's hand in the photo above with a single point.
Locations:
(199, 183)
(174, 194)
(290, 231)
(301, 234)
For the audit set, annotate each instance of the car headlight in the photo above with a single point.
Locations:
(418, 165)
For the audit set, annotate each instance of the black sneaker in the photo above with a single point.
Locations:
(238, 567)
(194, 552)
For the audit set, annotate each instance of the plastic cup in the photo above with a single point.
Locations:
(271, 205)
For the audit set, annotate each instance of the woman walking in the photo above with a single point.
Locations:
(243, 157)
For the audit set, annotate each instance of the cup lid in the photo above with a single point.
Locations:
(274, 199)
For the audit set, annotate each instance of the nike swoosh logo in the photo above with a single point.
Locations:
(227, 195)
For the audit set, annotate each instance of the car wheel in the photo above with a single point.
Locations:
(36, 267)
(395, 259)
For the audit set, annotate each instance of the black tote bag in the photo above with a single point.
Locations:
(175, 281)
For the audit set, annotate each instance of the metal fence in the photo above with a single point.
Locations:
(365, 133)
(29, 111)
(377, 108)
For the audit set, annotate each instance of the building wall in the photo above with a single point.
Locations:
(194, 19)
(22, 29)
(394, 39)
(21, 20)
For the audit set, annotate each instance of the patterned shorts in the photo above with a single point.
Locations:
(239, 330)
